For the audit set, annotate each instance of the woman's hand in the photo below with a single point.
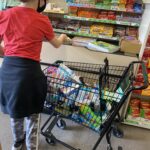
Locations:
(57, 42)
(1, 50)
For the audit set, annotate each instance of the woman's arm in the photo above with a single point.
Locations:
(57, 42)
(1, 49)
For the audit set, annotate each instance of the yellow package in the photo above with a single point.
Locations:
(146, 92)
(148, 66)
(108, 31)
(97, 29)
(122, 1)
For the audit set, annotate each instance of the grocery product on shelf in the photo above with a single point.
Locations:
(87, 14)
(80, 41)
(105, 30)
(138, 113)
(131, 31)
(96, 29)
(102, 46)
(84, 30)
(120, 31)
(103, 15)
(73, 10)
(116, 5)
(129, 44)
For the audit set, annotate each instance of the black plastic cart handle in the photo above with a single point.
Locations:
(145, 76)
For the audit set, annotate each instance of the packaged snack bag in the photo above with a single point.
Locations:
(103, 15)
(97, 29)
(135, 103)
(111, 15)
(122, 1)
(120, 31)
(89, 114)
(84, 30)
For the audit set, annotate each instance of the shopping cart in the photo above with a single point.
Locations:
(93, 100)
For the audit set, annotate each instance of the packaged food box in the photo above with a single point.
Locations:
(130, 45)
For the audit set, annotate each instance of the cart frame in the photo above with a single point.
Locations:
(106, 128)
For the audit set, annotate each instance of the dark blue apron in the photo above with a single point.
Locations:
(23, 87)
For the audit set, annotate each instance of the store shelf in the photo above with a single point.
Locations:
(55, 12)
(143, 97)
(146, 1)
(102, 7)
(86, 35)
(138, 122)
(103, 21)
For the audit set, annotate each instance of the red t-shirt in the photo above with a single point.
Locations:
(23, 30)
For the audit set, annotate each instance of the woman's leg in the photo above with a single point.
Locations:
(17, 127)
(32, 131)
(0, 147)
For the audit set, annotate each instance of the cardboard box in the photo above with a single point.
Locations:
(130, 45)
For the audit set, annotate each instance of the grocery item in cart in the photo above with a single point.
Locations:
(58, 76)
(113, 96)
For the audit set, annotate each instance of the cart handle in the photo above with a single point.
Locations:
(145, 76)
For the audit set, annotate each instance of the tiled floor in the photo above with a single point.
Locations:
(80, 137)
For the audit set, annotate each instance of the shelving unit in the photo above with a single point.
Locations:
(86, 35)
(144, 123)
(113, 25)
(143, 112)
(102, 7)
(116, 22)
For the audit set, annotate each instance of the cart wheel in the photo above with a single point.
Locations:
(120, 148)
(109, 147)
(118, 133)
(50, 141)
(61, 124)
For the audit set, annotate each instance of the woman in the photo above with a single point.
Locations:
(22, 83)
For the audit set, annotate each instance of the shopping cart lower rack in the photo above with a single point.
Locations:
(89, 94)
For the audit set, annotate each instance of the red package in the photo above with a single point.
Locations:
(111, 15)
(103, 15)
(145, 105)
(135, 103)
(148, 41)
(147, 115)
(129, 8)
(130, 1)
(135, 112)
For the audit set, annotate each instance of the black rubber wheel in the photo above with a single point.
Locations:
(118, 133)
(61, 124)
(109, 148)
(50, 141)
(120, 148)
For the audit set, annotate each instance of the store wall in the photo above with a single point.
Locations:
(144, 28)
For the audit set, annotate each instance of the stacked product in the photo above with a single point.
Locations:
(139, 109)
(104, 15)
(105, 21)
(122, 5)
(95, 29)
